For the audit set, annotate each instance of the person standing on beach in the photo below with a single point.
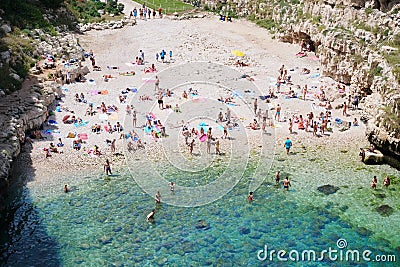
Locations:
(225, 132)
(288, 145)
(160, 101)
(305, 92)
(113, 146)
(209, 138)
(259, 114)
(344, 113)
(290, 126)
(278, 112)
(265, 115)
(228, 115)
(286, 184)
(217, 151)
(134, 118)
(191, 145)
(157, 84)
(362, 154)
(255, 106)
(107, 167)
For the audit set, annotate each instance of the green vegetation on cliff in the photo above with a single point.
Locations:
(21, 17)
(88, 11)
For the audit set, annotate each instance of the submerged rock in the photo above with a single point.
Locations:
(364, 232)
(328, 189)
(201, 224)
(385, 210)
(244, 231)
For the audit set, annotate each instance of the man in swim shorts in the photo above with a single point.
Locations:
(278, 112)
(286, 184)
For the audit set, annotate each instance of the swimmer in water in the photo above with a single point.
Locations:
(158, 197)
(107, 167)
(386, 181)
(277, 177)
(150, 216)
(250, 197)
(172, 186)
(374, 182)
(286, 184)
(66, 190)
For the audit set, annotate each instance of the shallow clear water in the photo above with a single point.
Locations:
(102, 222)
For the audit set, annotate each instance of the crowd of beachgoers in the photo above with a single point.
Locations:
(92, 128)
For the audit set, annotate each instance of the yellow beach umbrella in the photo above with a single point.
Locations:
(237, 53)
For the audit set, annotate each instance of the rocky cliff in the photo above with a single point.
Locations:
(357, 42)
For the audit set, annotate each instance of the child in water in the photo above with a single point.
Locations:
(250, 197)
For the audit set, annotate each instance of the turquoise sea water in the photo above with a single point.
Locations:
(102, 221)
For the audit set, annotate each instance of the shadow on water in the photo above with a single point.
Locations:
(24, 240)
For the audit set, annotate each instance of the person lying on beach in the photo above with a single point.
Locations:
(305, 71)
(96, 68)
(254, 125)
(241, 64)
(76, 144)
(127, 73)
(60, 143)
(154, 135)
(139, 61)
(96, 151)
(53, 148)
(122, 99)
(112, 108)
(246, 76)
(96, 128)
(150, 69)
(193, 91)
(144, 98)
(47, 152)
(326, 105)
